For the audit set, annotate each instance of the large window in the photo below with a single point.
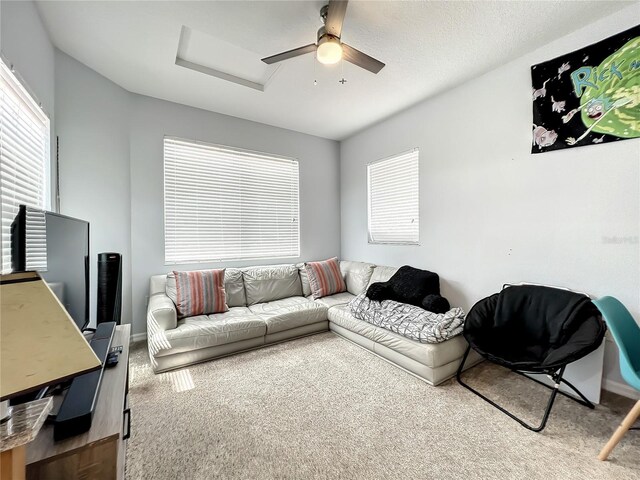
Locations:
(223, 203)
(24, 155)
(394, 199)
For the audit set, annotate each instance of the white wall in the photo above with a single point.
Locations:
(151, 119)
(490, 212)
(111, 160)
(92, 122)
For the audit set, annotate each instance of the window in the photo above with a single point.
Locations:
(24, 155)
(393, 199)
(223, 203)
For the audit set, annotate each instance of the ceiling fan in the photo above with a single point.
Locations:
(329, 49)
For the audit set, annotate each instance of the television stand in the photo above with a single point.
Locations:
(99, 453)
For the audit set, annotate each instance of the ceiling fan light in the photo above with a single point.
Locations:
(329, 50)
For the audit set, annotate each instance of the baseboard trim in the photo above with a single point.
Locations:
(620, 388)
(138, 337)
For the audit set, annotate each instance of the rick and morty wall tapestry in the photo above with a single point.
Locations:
(589, 96)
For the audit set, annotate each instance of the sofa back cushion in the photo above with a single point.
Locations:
(304, 279)
(325, 278)
(158, 284)
(233, 286)
(200, 293)
(271, 282)
(382, 274)
(356, 275)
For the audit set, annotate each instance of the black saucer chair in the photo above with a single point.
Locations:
(534, 329)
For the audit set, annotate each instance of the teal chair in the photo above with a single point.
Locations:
(626, 334)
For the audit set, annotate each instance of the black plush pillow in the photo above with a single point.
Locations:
(435, 304)
(379, 291)
(408, 285)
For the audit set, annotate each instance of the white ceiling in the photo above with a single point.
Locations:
(428, 47)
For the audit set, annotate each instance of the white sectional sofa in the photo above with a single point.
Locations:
(270, 304)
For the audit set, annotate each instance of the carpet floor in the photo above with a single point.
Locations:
(323, 408)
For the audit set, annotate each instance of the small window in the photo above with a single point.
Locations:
(394, 214)
(24, 155)
(223, 203)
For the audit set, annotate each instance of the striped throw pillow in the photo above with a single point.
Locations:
(200, 293)
(325, 278)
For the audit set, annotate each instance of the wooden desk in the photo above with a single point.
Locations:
(98, 454)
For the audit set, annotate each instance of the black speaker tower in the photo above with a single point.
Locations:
(109, 288)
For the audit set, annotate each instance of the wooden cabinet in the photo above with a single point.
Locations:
(98, 454)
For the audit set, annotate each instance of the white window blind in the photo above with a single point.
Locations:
(394, 215)
(222, 203)
(35, 240)
(24, 155)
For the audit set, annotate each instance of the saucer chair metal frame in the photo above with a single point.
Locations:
(555, 374)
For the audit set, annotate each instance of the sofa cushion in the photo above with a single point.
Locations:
(325, 277)
(289, 313)
(381, 274)
(337, 299)
(202, 331)
(269, 283)
(431, 354)
(200, 292)
(233, 286)
(304, 279)
(158, 284)
(356, 275)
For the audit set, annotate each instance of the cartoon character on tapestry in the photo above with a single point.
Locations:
(589, 96)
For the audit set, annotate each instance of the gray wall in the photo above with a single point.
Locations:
(92, 122)
(151, 119)
(490, 212)
(25, 43)
(111, 174)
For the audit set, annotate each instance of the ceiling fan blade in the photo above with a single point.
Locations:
(290, 54)
(335, 17)
(360, 59)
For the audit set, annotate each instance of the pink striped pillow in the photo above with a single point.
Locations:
(200, 293)
(325, 278)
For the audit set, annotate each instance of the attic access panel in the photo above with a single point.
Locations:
(218, 58)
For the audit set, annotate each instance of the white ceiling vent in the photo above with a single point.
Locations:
(213, 56)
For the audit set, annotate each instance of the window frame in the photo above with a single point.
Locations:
(236, 150)
(370, 239)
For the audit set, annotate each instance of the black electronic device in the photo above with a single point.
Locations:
(114, 356)
(57, 247)
(109, 288)
(76, 411)
(112, 359)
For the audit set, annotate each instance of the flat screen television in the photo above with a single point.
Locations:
(57, 247)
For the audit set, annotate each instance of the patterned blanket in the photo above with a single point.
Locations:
(409, 321)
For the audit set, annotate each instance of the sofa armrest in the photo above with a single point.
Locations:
(161, 313)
